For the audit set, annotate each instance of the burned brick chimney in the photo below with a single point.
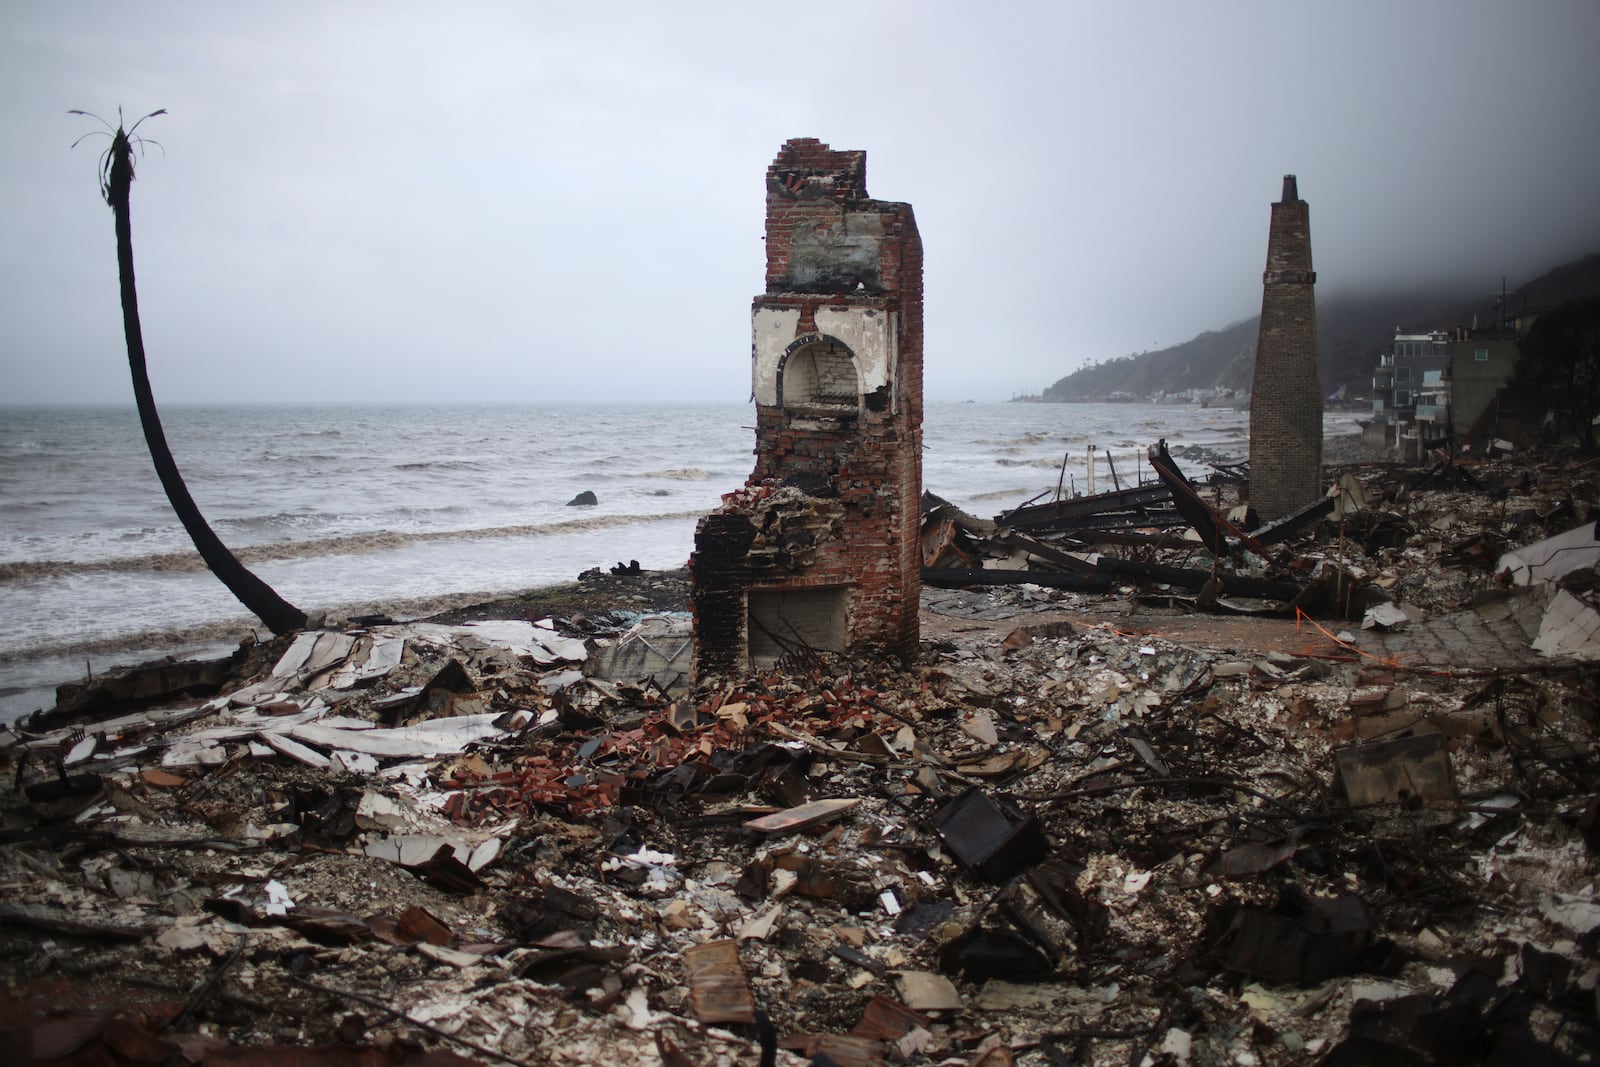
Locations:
(1286, 399)
(820, 550)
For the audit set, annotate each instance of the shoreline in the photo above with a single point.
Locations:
(38, 673)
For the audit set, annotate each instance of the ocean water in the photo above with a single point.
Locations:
(409, 509)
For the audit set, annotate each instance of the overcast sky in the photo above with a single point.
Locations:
(537, 201)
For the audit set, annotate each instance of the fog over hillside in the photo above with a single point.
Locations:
(1353, 328)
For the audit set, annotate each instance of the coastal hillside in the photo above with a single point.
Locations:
(1352, 329)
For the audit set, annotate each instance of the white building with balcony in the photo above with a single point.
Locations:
(1411, 385)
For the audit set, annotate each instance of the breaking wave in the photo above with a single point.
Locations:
(1048, 464)
(680, 474)
(1002, 494)
(147, 643)
(352, 544)
(443, 465)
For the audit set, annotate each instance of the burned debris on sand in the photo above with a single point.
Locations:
(1097, 825)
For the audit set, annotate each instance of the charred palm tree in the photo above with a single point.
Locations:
(116, 177)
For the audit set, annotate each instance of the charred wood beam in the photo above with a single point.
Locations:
(1090, 536)
(936, 507)
(1194, 578)
(140, 686)
(1048, 552)
(60, 921)
(1035, 515)
(1282, 529)
(960, 578)
(1211, 526)
(1155, 519)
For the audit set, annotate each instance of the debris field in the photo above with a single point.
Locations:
(1139, 823)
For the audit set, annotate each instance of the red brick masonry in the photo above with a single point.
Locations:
(820, 548)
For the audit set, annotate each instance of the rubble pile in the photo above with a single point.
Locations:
(1064, 836)
(1433, 541)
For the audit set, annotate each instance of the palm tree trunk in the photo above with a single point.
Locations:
(278, 614)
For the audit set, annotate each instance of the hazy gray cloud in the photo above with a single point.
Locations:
(521, 202)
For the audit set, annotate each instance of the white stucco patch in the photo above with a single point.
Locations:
(866, 332)
(771, 331)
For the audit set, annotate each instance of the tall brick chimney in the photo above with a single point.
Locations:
(820, 550)
(1286, 399)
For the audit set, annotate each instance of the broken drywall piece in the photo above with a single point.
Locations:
(1554, 557)
(1384, 617)
(413, 850)
(1570, 627)
(190, 752)
(928, 991)
(376, 811)
(373, 658)
(278, 899)
(761, 926)
(486, 852)
(347, 762)
(294, 657)
(434, 737)
(327, 655)
(288, 746)
(559, 680)
(81, 751)
(541, 644)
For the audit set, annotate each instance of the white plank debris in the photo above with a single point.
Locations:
(435, 737)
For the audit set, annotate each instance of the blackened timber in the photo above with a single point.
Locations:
(1109, 570)
(1292, 523)
(934, 506)
(1210, 525)
(1143, 519)
(1047, 552)
(1096, 536)
(1194, 578)
(960, 578)
(1035, 516)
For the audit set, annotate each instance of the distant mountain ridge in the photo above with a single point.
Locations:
(1352, 330)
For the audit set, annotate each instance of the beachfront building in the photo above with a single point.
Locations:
(1480, 366)
(1411, 388)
